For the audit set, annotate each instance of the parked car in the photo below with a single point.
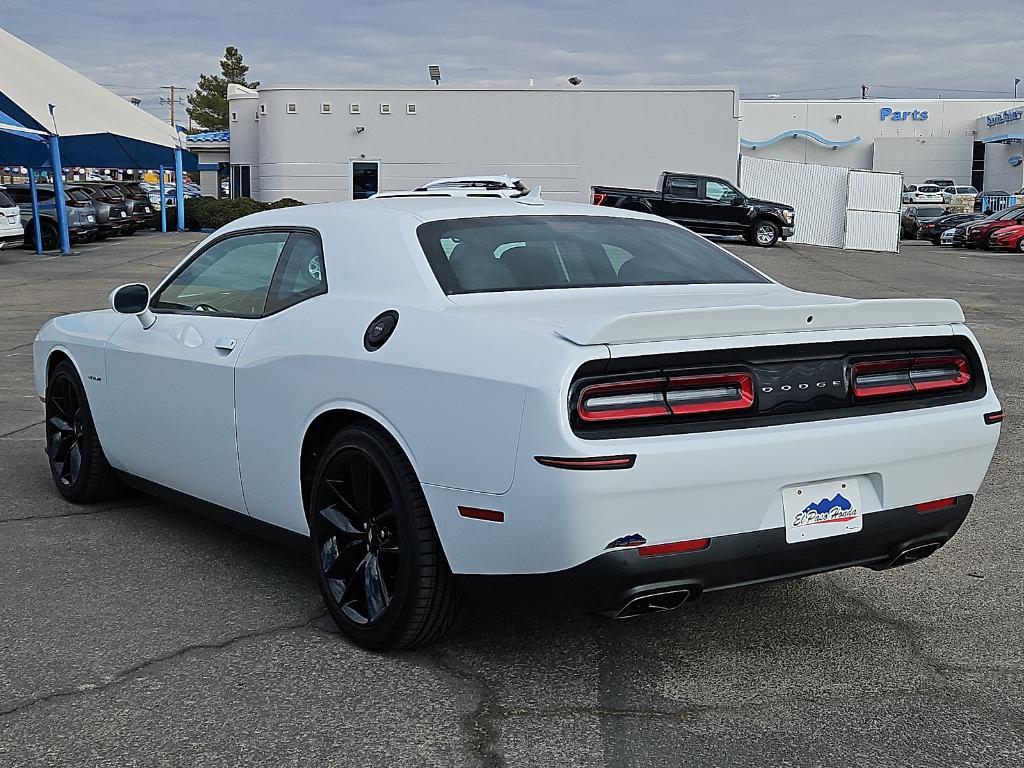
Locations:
(111, 215)
(977, 234)
(153, 192)
(503, 186)
(934, 229)
(916, 194)
(940, 183)
(705, 204)
(948, 193)
(947, 237)
(11, 231)
(914, 216)
(142, 210)
(1008, 239)
(605, 379)
(111, 193)
(81, 215)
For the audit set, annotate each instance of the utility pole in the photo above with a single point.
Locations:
(172, 99)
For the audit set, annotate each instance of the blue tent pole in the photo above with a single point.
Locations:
(58, 194)
(179, 189)
(35, 209)
(163, 203)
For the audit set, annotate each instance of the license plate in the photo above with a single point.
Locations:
(124, 215)
(819, 510)
(12, 220)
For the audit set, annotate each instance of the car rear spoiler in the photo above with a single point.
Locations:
(674, 324)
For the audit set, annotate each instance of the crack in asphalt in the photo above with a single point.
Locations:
(481, 723)
(83, 513)
(22, 429)
(136, 671)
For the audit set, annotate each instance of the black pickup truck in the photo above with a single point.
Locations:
(705, 204)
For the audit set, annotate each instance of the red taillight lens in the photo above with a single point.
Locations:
(934, 506)
(639, 399)
(674, 548)
(666, 396)
(489, 515)
(599, 198)
(883, 378)
(709, 394)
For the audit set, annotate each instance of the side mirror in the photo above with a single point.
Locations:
(133, 299)
(739, 200)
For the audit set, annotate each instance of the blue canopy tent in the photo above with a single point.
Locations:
(52, 117)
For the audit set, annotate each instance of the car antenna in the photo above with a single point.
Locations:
(531, 198)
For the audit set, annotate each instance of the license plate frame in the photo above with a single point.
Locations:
(822, 509)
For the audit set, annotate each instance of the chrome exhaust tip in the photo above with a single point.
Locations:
(652, 602)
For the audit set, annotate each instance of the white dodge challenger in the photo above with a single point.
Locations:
(445, 396)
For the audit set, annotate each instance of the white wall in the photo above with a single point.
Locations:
(565, 140)
(952, 121)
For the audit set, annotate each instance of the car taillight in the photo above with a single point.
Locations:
(655, 396)
(599, 198)
(883, 378)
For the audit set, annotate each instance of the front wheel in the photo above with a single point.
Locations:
(1020, 245)
(379, 564)
(79, 467)
(765, 233)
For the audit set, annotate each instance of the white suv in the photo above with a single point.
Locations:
(11, 231)
(922, 193)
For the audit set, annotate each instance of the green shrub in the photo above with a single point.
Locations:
(211, 213)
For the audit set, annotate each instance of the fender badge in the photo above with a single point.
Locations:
(633, 540)
(94, 378)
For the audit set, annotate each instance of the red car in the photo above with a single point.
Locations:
(1008, 239)
(979, 235)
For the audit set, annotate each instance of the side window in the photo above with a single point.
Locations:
(231, 277)
(683, 186)
(300, 273)
(716, 190)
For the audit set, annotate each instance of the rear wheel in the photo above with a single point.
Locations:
(1020, 245)
(50, 236)
(764, 233)
(77, 462)
(379, 563)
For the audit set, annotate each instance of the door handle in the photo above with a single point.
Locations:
(225, 344)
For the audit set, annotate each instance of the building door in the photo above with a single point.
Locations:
(365, 178)
(978, 165)
(241, 178)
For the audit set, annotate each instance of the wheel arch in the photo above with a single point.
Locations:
(324, 426)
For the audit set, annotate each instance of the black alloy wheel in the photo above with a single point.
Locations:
(79, 467)
(379, 564)
(50, 237)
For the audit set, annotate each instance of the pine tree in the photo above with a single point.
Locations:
(208, 104)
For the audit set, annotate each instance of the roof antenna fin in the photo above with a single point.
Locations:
(531, 198)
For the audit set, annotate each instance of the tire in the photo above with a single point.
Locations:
(48, 230)
(1020, 245)
(77, 463)
(379, 564)
(764, 233)
(936, 241)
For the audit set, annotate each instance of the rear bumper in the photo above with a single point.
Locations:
(13, 239)
(609, 581)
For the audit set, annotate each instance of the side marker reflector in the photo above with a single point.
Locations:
(994, 418)
(674, 548)
(625, 461)
(933, 506)
(475, 513)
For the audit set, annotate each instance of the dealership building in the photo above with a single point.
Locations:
(319, 144)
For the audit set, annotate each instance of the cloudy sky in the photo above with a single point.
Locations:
(796, 48)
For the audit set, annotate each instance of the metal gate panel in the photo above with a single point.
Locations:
(873, 211)
(872, 231)
(875, 191)
(817, 192)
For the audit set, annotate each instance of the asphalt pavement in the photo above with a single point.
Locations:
(134, 633)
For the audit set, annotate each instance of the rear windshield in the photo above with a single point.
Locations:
(930, 212)
(79, 195)
(522, 253)
(929, 188)
(5, 201)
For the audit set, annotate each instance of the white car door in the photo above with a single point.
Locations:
(171, 386)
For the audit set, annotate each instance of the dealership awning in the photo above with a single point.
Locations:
(46, 105)
(1003, 138)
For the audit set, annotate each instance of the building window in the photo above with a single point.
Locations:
(325, 108)
(234, 117)
(410, 109)
(353, 109)
(241, 177)
(291, 109)
(263, 109)
(385, 109)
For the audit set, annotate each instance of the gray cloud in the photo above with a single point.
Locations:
(798, 48)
